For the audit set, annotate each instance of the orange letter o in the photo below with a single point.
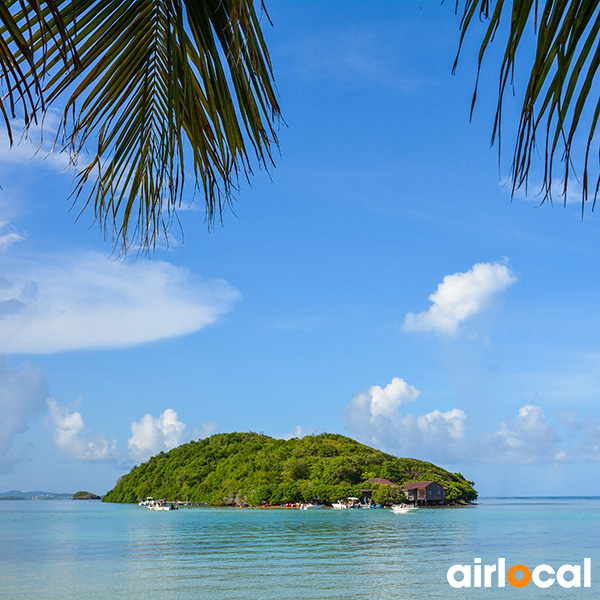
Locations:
(518, 583)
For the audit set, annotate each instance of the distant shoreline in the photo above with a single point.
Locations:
(36, 495)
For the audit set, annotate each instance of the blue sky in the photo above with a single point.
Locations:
(380, 283)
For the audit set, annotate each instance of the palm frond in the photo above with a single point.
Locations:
(25, 25)
(559, 98)
(160, 83)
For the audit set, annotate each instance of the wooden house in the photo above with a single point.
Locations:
(424, 492)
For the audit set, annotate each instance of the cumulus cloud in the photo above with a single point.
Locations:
(443, 437)
(86, 301)
(375, 418)
(23, 392)
(382, 402)
(151, 435)
(460, 296)
(69, 435)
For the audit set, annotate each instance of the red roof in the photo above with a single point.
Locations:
(382, 481)
(417, 485)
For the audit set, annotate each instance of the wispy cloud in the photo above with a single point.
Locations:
(299, 432)
(535, 191)
(8, 236)
(37, 146)
(528, 439)
(23, 393)
(460, 296)
(71, 437)
(354, 57)
(86, 301)
(205, 430)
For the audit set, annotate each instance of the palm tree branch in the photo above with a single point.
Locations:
(560, 84)
(161, 83)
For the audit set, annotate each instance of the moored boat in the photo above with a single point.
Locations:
(350, 503)
(161, 505)
(400, 509)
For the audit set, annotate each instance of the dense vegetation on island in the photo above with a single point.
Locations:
(238, 468)
(85, 496)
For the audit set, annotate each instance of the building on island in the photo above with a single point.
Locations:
(424, 492)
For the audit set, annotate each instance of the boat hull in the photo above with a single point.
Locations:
(401, 510)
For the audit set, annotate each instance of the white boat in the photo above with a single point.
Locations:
(350, 503)
(160, 505)
(400, 509)
(311, 506)
(147, 502)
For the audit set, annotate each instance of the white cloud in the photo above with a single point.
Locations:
(299, 432)
(383, 402)
(586, 433)
(379, 418)
(36, 147)
(8, 238)
(375, 418)
(205, 430)
(459, 297)
(151, 435)
(528, 439)
(89, 301)
(70, 436)
(535, 191)
(443, 437)
(23, 393)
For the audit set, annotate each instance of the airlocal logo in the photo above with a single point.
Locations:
(478, 575)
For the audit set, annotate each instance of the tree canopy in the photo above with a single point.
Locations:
(238, 468)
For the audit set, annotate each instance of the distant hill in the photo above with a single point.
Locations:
(18, 495)
(85, 496)
(237, 468)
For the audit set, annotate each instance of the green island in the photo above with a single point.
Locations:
(237, 469)
(85, 496)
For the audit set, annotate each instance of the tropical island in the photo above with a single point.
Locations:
(85, 496)
(237, 469)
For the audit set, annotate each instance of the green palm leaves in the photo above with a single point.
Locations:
(560, 97)
(24, 26)
(153, 85)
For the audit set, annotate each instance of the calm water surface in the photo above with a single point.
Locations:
(65, 549)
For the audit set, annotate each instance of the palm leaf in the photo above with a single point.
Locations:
(559, 99)
(24, 25)
(160, 83)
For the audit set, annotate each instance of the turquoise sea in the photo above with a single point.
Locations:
(55, 550)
